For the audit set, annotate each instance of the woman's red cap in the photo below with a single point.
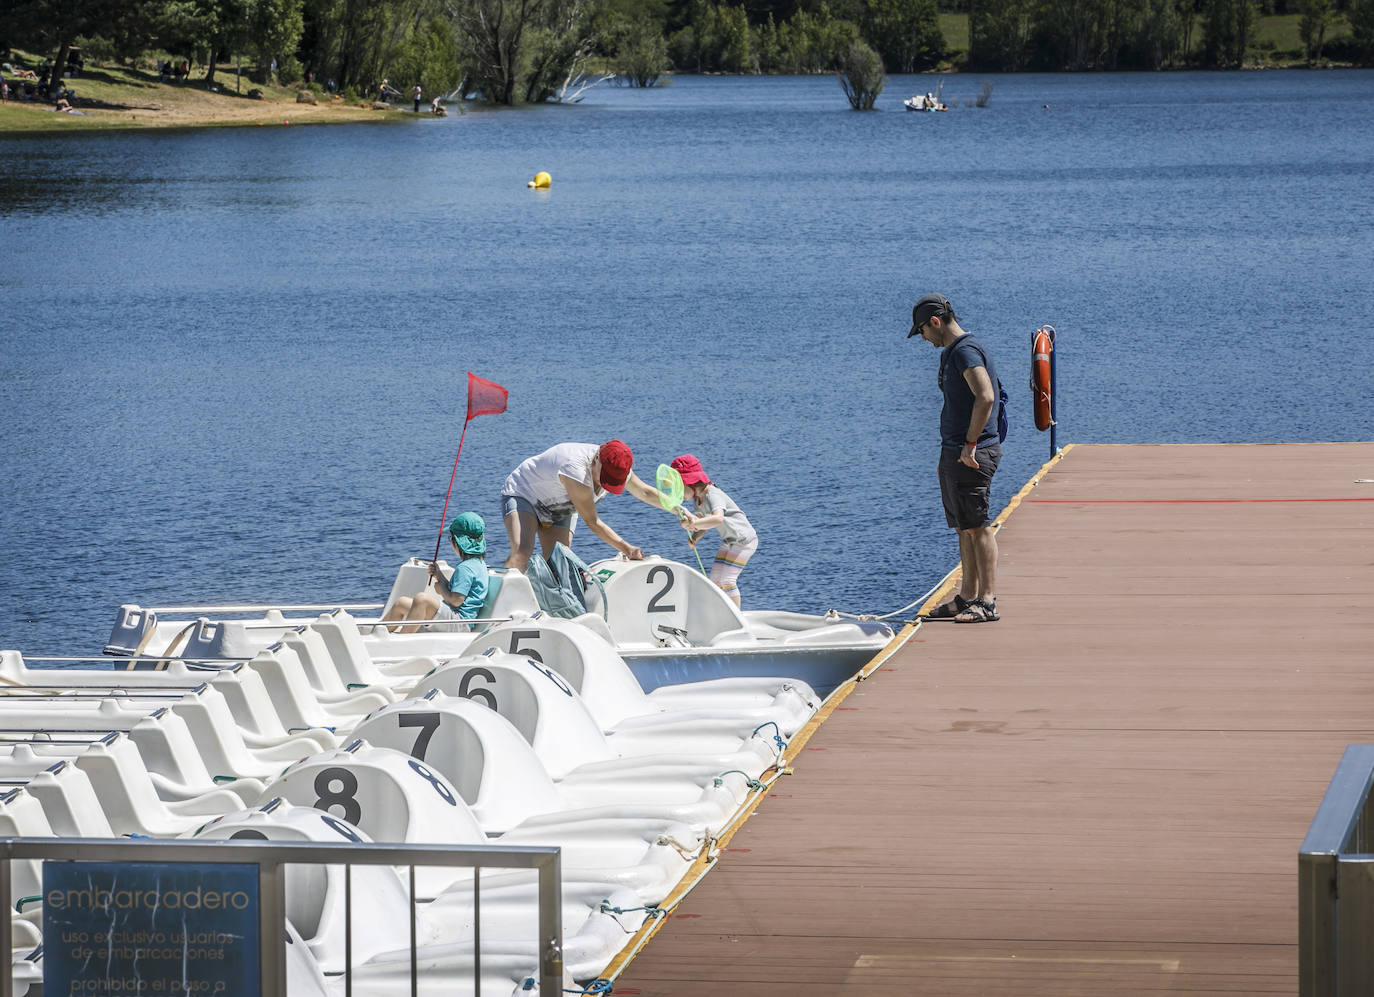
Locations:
(616, 461)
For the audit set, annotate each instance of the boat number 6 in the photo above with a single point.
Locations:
(654, 605)
(485, 695)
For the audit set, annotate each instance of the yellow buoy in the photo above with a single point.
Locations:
(541, 180)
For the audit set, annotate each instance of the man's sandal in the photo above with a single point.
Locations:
(978, 611)
(948, 610)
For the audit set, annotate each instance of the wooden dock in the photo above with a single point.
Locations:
(1104, 793)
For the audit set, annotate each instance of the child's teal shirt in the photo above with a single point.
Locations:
(470, 581)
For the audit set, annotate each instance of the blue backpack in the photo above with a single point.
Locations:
(560, 583)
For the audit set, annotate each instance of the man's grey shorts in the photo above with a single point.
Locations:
(560, 516)
(964, 490)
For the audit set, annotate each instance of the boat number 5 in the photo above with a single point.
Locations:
(655, 606)
(516, 636)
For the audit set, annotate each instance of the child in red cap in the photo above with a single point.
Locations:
(738, 540)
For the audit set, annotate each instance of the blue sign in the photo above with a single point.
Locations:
(112, 929)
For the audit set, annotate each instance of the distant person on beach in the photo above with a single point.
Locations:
(970, 450)
(547, 492)
(459, 597)
(415, 95)
(738, 539)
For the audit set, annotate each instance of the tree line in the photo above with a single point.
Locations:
(527, 51)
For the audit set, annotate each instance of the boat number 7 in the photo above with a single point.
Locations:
(654, 604)
(428, 724)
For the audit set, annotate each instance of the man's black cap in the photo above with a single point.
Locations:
(931, 304)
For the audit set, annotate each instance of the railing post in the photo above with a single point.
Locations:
(272, 927)
(7, 905)
(551, 925)
(1316, 925)
(1354, 923)
(1337, 830)
(1054, 396)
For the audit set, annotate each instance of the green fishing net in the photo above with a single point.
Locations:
(670, 490)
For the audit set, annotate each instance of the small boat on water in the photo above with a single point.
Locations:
(632, 736)
(925, 102)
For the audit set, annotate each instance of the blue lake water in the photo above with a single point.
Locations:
(234, 359)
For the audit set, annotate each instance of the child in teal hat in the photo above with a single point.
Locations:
(459, 597)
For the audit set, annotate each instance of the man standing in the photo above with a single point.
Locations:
(970, 450)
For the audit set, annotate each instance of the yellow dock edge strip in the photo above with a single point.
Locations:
(714, 845)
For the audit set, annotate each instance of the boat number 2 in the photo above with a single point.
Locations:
(654, 604)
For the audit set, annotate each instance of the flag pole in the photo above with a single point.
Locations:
(444, 518)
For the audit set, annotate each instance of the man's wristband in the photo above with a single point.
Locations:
(971, 443)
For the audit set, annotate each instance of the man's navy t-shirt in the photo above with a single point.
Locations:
(958, 356)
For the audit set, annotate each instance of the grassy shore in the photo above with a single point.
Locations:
(119, 97)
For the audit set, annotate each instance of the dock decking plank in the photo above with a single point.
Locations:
(1104, 792)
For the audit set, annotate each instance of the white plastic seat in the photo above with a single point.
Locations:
(177, 766)
(617, 701)
(318, 661)
(242, 688)
(22, 816)
(69, 802)
(315, 894)
(354, 661)
(225, 748)
(658, 603)
(389, 796)
(556, 723)
(129, 800)
(501, 778)
(297, 704)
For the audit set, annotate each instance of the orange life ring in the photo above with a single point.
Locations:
(1042, 346)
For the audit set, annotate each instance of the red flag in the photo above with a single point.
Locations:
(484, 397)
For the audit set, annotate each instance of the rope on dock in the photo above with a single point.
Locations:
(777, 734)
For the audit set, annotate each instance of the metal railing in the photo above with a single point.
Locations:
(1336, 885)
(271, 856)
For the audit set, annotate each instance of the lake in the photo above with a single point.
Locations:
(235, 359)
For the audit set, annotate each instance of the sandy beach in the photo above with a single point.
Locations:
(106, 103)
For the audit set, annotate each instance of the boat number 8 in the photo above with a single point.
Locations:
(654, 605)
(346, 796)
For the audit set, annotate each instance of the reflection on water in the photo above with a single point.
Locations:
(235, 357)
